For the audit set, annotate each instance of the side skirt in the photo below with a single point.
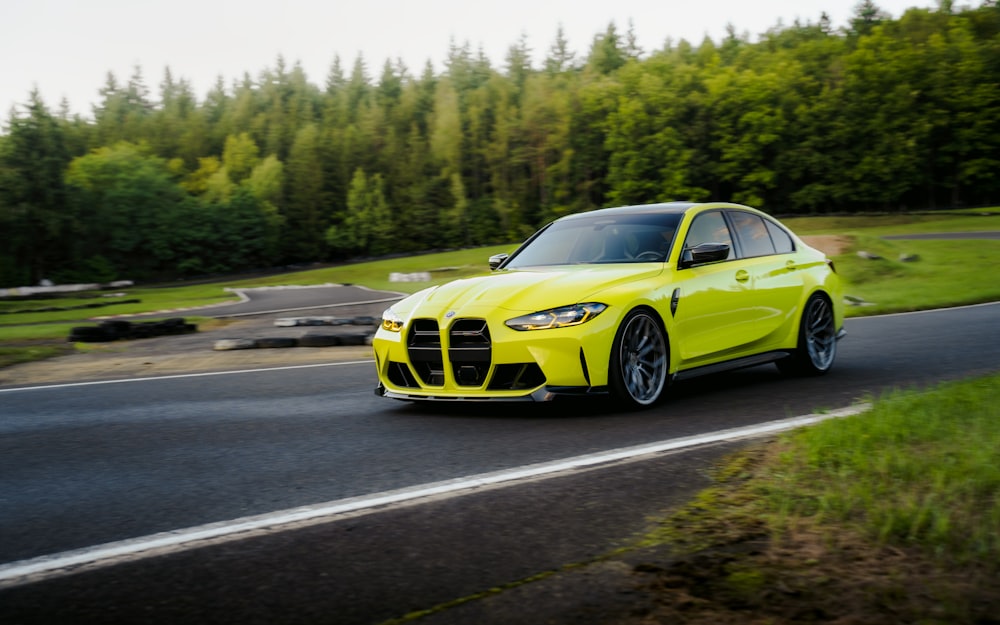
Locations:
(729, 365)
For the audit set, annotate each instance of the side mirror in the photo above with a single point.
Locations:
(704, 253)
(496, 260)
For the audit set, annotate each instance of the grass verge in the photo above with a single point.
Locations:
(891, 516)
(943, 273)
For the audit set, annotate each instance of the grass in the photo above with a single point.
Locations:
(892, 515)
(27, 352)
(919, 469)
(945, 273)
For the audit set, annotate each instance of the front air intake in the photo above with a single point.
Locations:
(470, 351)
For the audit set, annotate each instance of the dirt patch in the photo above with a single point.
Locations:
(829, 244)
(813, 575)
(725, 565)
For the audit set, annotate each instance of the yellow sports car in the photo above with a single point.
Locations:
(621, 301)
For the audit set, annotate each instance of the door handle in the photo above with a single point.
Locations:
(791, 266)
(742, 275)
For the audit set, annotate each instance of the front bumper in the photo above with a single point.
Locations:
(543, 394)
(473, 359)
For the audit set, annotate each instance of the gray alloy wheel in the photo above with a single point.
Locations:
(817, 345)
(639, 360)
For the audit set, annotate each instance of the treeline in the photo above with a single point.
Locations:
(881, 114)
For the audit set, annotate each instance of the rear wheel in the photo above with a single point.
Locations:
(639, 360)
(817, 346)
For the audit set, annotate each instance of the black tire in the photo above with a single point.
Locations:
(91, 334)
(352, 339)
(276, 342)
(817, 344)
(640, 361)
(319, 340)
(142, 331)
(118, 328)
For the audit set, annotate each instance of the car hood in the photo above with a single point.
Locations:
(525, 290)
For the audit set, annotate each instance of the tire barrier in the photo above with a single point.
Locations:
(289, 322)
(320, 340)
(306, 340)
(121, 330)
(282, 341)
(309, 339)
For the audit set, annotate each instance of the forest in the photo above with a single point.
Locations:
(881, 114)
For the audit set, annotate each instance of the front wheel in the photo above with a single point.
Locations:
(817, 346)
(639, 360)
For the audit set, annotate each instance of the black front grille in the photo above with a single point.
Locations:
(470, 351)
(424, 346)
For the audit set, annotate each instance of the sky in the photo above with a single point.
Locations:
(66, 48)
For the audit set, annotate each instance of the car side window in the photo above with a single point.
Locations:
(709, 228)
(752, 232)
(783, 243)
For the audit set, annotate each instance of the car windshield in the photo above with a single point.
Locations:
(620, 238)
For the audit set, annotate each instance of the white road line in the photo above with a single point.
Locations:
(183, 375)
(60, 564)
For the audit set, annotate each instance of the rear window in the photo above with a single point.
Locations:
(755, 240)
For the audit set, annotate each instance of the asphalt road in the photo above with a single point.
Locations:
(82, 466)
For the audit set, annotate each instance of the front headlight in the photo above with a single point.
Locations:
(391, 322)
(561, 317)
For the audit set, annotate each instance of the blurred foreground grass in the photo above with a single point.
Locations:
(889, 516)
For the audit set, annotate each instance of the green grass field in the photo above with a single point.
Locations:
(888, 516)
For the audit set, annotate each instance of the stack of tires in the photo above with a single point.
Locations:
(120, 330)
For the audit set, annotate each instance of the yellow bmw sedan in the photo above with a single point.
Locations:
(622, 301)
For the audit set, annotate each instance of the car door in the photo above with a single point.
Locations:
(714, 301)
(775, 287)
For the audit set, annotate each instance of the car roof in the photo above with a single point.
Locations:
(676, 208)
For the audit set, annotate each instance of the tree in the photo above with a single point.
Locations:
(560, 58)
(446, 129)
(866, 16)
(266, 184)
(607, 53)
(367, 227)
(37, 230)
(304, 209)
(240, 156)
(124, 196)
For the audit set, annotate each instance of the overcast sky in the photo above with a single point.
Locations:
(65, 48)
